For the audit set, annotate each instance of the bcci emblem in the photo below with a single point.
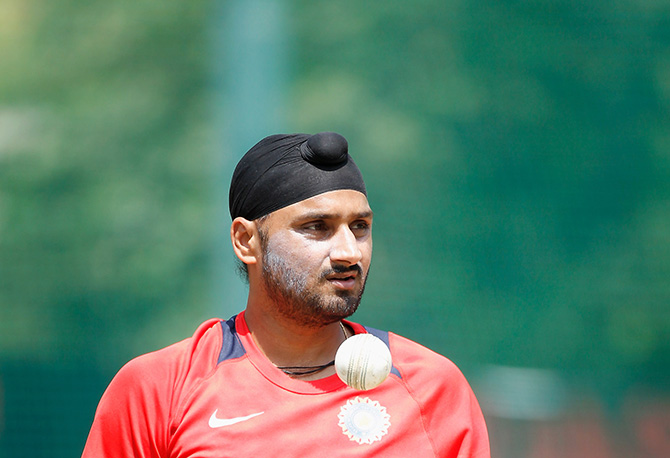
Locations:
(363, 420)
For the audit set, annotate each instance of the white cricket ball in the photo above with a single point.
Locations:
(363, 361)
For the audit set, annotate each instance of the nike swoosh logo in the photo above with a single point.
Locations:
(215, 422)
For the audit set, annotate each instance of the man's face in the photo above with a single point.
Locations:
(316, 256)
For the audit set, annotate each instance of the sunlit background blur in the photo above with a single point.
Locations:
(517, 157)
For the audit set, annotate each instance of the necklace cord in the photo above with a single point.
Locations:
(308, 370)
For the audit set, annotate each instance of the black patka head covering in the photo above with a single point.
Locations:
(281, 170)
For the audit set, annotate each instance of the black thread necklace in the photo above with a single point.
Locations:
(298, 371)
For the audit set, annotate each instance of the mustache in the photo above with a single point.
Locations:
(342, 269)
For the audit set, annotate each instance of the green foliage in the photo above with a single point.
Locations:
(516, 156)
(517, 162)
(516, 159)
(104, 188)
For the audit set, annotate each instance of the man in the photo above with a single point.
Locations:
(263, 383)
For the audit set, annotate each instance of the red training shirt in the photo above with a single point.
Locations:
(215, 395)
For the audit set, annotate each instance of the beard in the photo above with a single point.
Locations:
(297, 297)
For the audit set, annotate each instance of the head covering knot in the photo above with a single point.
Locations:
(281, 170)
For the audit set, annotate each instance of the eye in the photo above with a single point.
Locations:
(314, 226)
(360, 228)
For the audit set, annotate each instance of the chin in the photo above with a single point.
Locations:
(342, 307)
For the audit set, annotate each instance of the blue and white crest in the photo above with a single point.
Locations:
(363, 420)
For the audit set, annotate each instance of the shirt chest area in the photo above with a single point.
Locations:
(237, 412)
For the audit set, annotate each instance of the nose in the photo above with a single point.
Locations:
(345, 249)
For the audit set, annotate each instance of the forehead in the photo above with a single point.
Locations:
(340, 204)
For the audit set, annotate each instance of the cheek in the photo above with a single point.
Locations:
(299, 253)
(366, 250)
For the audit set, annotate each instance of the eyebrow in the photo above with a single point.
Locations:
(318, 215)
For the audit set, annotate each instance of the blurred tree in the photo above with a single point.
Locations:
(104, 180)
(516, 155)
(518, 167)
(516, 158)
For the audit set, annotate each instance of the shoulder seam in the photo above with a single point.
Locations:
(179, 407)
(384, 337)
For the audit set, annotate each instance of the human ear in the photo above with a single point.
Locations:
(245, 239)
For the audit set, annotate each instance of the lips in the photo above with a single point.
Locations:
(344, 280)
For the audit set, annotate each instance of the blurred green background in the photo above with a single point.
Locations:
(517, 156)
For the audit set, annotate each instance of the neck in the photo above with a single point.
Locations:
(286, 343)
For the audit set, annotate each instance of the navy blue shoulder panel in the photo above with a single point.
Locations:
(231, 347)
(384, 336)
